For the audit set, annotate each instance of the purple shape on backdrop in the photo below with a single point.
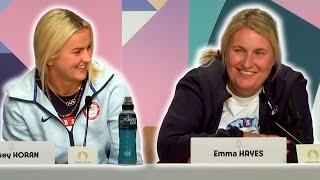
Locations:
(155, 57)
(3, 48)
(307, 10)
(10, 67)
(137, 5)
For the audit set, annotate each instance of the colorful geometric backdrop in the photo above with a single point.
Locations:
(154, 42)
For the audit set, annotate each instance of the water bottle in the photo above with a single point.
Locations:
(127, 133)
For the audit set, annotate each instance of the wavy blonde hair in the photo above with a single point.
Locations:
(52, 32)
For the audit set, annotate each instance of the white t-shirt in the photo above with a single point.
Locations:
(241, 112)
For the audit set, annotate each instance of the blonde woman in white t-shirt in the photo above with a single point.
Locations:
(241, 91)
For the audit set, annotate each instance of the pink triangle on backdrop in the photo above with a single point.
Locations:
(307, 10)
(18, 17)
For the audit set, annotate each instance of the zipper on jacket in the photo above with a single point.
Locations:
(83, 107)
(52, 115)
(71, 138)
(70, 133)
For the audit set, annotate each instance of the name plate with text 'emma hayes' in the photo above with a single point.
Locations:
(27, 152)
(238, 150)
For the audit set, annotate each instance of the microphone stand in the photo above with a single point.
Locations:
(88, 104)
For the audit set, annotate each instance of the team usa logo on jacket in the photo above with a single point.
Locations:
(68, 121)
(94, 111)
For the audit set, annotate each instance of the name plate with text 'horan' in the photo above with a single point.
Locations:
(238, 150)
(27, 152)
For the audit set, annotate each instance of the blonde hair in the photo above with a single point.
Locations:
(255, 19)
(52, 32)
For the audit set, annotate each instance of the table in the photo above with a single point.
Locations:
(162, 172)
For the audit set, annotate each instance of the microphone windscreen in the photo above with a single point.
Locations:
(88, 100)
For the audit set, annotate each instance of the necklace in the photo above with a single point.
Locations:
(69, 103)
(63, 94)
(72, 110)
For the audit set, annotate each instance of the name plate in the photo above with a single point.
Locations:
(308, 153)
(83, 155)
(238, 150)
(27, 152)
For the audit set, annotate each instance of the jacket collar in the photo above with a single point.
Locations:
(26, 89)
(220, 93)
(23, 88)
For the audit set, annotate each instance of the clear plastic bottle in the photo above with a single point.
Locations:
(127, 133)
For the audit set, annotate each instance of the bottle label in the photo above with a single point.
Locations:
(127, 122)
(127, 147)
(127, 137)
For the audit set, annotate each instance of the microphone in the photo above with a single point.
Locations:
(88, 103)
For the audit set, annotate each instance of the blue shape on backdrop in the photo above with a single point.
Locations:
(137, 5)
(302, 39)
(202, 18)
(3, 4)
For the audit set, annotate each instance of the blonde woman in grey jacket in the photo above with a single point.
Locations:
(48, 103)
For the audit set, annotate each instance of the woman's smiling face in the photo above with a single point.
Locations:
(249, 62)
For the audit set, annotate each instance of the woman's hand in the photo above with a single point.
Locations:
(250, 134)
